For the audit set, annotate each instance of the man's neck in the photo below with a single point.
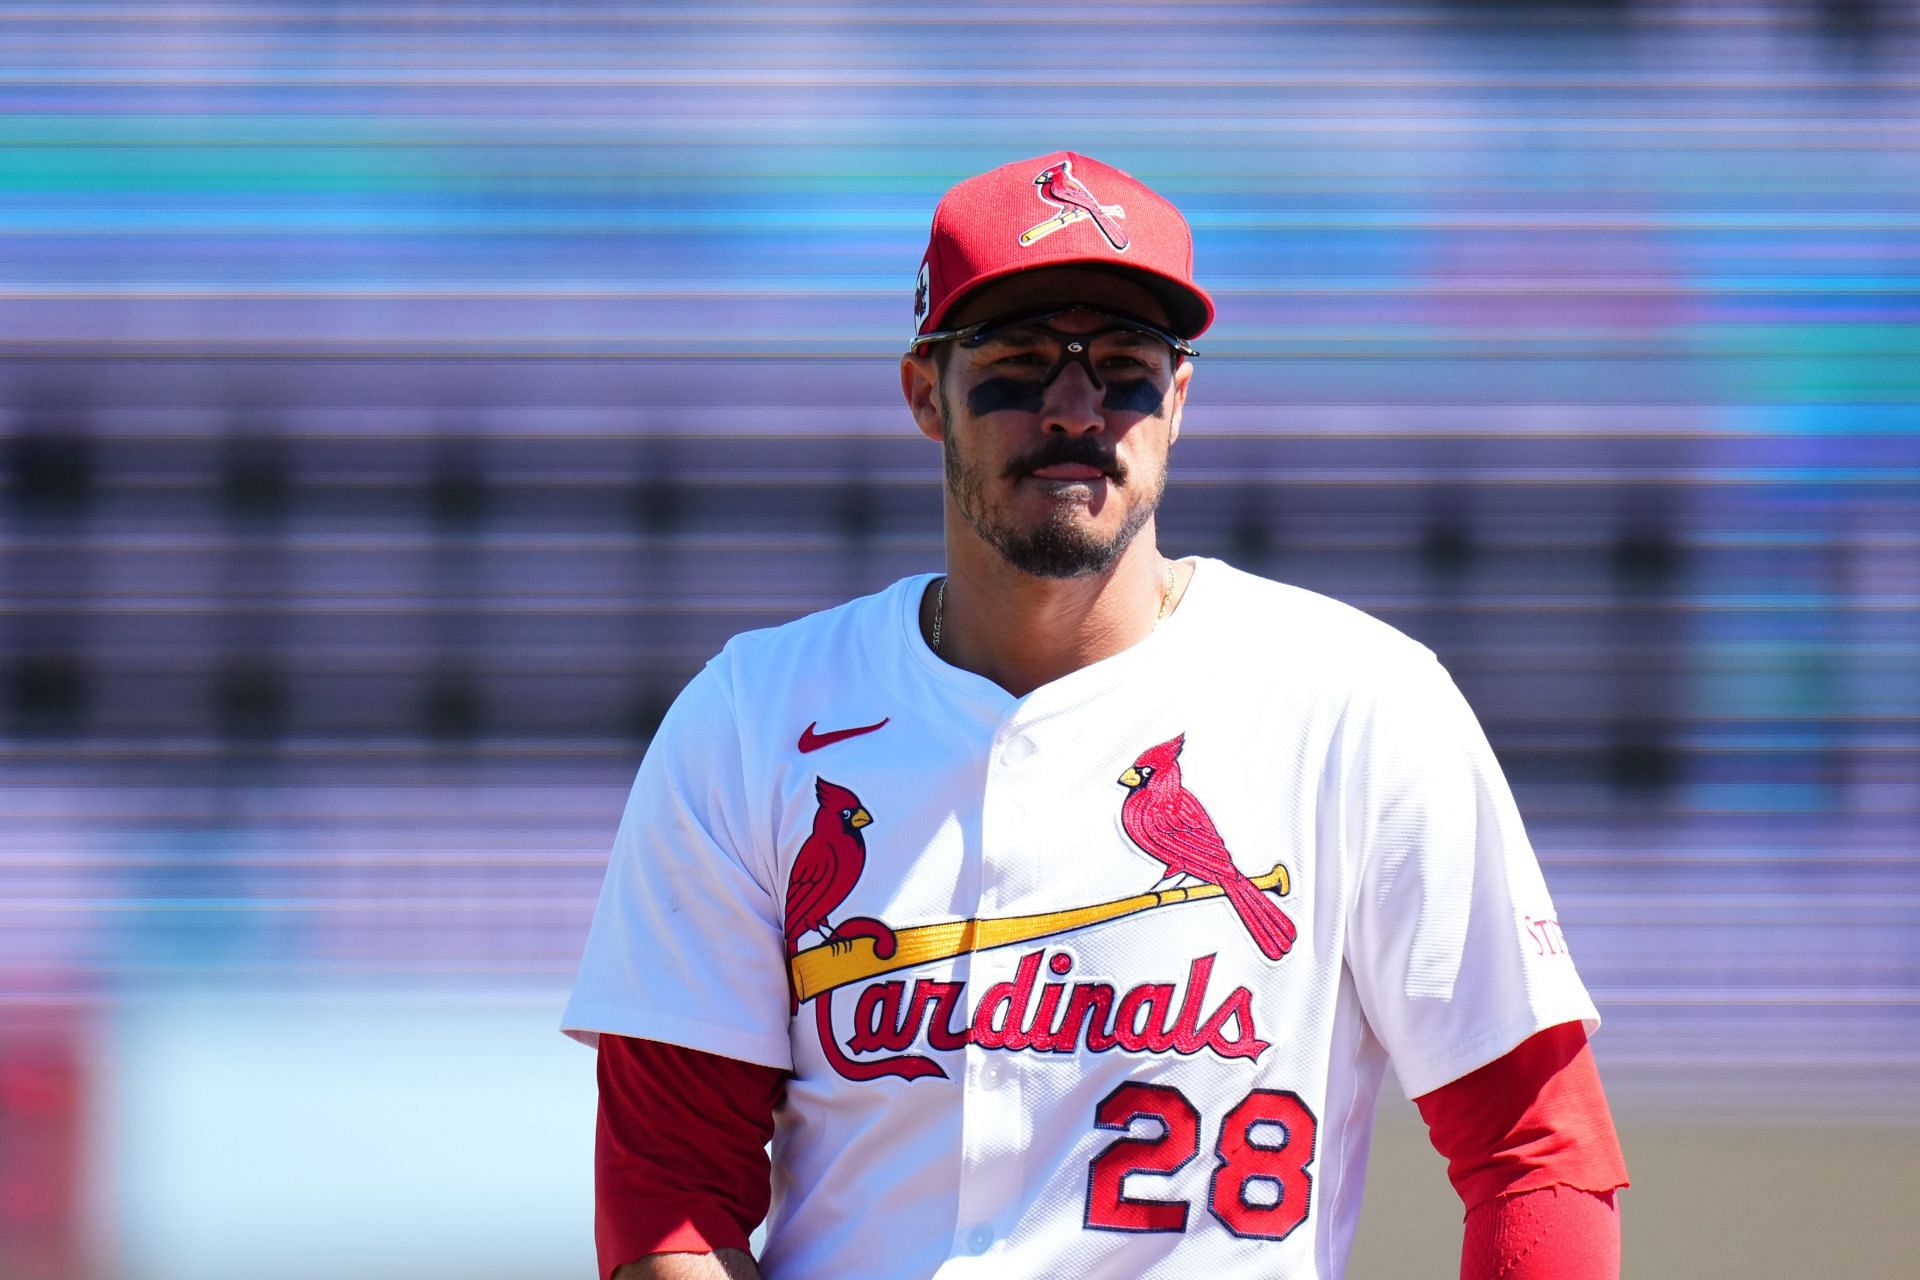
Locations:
(1021, 631)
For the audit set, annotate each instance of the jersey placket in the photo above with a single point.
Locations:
(995, 1117)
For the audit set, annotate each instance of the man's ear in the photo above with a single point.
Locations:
(1178, 396)
(920, 384)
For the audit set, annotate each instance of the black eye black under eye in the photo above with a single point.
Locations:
(996, 395)
(1133, 395)
(1023, 395)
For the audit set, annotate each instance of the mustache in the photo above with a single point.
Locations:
(1060, 450)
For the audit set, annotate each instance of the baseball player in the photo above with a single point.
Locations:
(1058, 915)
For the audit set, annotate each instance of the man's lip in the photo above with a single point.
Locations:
(1067, 471)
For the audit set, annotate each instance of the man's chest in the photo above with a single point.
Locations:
(1133, 881)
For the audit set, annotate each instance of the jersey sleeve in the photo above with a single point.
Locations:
(1453, 942)
(686, 945)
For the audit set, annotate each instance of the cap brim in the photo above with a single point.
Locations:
(1189, 309)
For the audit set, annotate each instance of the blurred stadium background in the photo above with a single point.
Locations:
(400, 401)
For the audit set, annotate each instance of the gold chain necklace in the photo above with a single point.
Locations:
(940, 604)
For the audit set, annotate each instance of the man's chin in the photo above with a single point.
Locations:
(1061, 552)
(1069, 537)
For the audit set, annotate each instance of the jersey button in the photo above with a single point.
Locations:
(992, 1076)
(979, 1240)
(1016, 750)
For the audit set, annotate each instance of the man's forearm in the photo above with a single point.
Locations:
(1550, 1233)
(721, 1264)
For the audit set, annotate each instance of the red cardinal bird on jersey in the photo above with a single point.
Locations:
(828, 865)
(1058, 186)
(1166, 820)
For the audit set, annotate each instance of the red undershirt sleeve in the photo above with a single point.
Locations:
(1531, 1150)
(680, 1161)
(1549, 1233)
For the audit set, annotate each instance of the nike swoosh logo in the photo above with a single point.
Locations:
(811, 741)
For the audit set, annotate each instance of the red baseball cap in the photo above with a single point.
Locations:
(1056, 210)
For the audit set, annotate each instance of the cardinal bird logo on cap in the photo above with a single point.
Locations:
(1169, 822)
(1059, 188)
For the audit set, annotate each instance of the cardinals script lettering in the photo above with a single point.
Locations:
(1030, 1016)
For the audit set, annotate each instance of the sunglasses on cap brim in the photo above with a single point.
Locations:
(976, 334)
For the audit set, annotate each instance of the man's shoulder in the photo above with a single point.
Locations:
(835, 636)
(1281, 620)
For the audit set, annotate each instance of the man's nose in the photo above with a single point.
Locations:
(1072, 405)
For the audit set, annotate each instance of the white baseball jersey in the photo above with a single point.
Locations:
(1097, 982)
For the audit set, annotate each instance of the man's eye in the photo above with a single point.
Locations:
(1020, 357)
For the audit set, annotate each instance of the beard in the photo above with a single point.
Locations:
(1060, 547)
